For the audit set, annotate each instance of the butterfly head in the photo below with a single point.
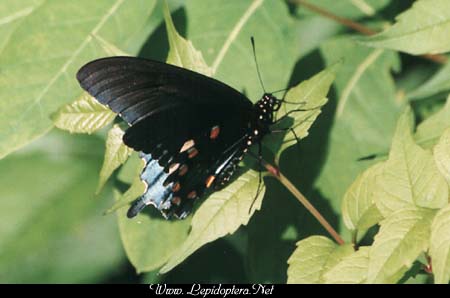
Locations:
(265, 108)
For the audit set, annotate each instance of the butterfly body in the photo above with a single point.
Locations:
(191, 130)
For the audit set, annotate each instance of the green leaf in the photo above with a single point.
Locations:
(309, 96)
(429, 131)
(182, 52)
(149, 240)
(221, 214)
(440, 246)
(358, 205)
(42, 55)
(52, 228)
(116, 154)
(85, 115)
(312, 258)
(352, 269)
(109, 48)
(422, 29)
(410, 176)
(402, 237)
(348, 8)
(442, 155)
(222, 33)
(136, 189)
(364, 119)
(439, 82)
(12, 15)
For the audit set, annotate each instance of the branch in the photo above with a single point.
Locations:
(275, 172)
(441, 59)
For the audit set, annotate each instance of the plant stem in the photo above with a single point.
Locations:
(437, 58)
(275, 172)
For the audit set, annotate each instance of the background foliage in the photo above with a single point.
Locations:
(385, 100)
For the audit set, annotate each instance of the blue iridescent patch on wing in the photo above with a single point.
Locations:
(156, 194)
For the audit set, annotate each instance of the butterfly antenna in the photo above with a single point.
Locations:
(256, 62)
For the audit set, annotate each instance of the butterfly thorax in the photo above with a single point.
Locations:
(259, 126)
(263, 117)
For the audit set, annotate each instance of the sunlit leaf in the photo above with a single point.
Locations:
(358, 205)
(422, 29)
(313, 257)
(116, 154)
(429, 131)
(352, 269)
(85, 115)
(440, 246)
(410, 176)
(402, 237)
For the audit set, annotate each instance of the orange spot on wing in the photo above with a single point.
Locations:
(209, 181)
(176, 187)
(183, 170)
(176, 200)
(192, 195)
(214, 132)
(188, 144)
(192, 152)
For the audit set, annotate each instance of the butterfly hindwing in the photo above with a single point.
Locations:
(174, 183)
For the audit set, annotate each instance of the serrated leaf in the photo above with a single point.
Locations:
(85, 115)
(221, 214)
(310, 97)
(442, 155)
(402, 237)
(116, 154)
(42, 55)
(429, 131)
(352, 269)
(313, 257)
(149, 240)
(422, 29)
(182, 52)
(440, 246)
(410, 176)
(358, 205)
(439, 82)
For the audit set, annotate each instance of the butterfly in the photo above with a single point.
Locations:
(191, 130)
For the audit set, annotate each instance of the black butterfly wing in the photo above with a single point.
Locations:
(166, 107)
(163, 103)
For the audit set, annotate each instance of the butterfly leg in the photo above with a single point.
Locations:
(281, 130)
(258, 190)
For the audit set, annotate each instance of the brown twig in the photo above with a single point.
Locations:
(437, 58)
(275, 172)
